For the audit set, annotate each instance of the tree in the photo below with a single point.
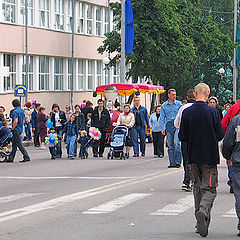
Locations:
(174, 43)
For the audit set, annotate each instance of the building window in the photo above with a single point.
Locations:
(69, 16)
(43, 73)
(80, 18)
(30, 12)
(107, 75)
(29, 84)
(59, 14)
(69, 74)
(99, 73)
(10, 61)
(44, 13)
(98, 21)
(89, 19)
(116, 73)
(58, 74)
(9, 11)
(106, 20)
(90, 74)
(80, 75)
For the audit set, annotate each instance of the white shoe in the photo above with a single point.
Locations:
(42, 148)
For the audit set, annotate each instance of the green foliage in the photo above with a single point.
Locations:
(178, 43)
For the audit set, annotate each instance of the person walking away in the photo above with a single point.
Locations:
(158, 137)
(168, 114)
(101, 120)
(139, 128)
(213, 102)
(231, 152)
(18, 118)
(58, 118)
(71, 129)
(34, 122)
(127, 118)
(201, 128)
(28, 112)
(42, 126)
(87, 109)
(184, 145)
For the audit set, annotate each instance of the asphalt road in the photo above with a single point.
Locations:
(100, 199)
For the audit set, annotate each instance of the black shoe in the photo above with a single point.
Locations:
(25, 160)
(231, 191)
(172, 166)
(178, 165)
(8, 161)
(72, 158)
(203, 223)
(143, 154)
(100, 155)
(53, 158)
(86, 155)
(238, 234)
(95, 155)
(160, 156)
(135, 155)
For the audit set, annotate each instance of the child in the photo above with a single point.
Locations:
(52, 146)
(85, 142)
(71, 130)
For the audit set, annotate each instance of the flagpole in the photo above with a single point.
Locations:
(123, 57)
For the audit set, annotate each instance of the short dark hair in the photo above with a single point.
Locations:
(37, 105)
(16, 103)
(3, 108)
(157, 107)
(41, 109)
(77, 105)
(88, 103)
(55, 105)
(190, 94)
(99, 100)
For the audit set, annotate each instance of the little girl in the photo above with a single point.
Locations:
(71, 130)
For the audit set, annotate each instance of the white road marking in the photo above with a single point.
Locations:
(64, 177)
(176, 208)
(18, 196)
(231, 214)
(56, 202)
(116, 204)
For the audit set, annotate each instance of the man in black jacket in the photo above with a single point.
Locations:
(201, 128)
(101, 120)
(87, 109)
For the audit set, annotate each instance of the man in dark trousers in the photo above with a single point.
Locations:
(231, 152)
(201, 128)
(34, 123)
(101, 120)
(18, 117)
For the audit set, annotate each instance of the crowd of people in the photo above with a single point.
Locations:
(193, 129)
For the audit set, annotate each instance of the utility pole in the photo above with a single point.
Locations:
(235, 68)
(123, 57)
(26, 45)
(73, 17)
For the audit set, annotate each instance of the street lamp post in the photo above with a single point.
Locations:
(26, 45)
(72, 67)
(123, 57)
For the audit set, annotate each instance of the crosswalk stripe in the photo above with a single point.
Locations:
(116, 204)
(176, 208)
(18, 196)
(230, 214)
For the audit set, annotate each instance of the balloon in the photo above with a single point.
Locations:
(49, 123)
(94, 133)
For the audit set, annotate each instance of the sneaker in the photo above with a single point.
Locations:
(184, 187)
(72, 158)
(160, 156)
(143, 154)
(135, 155)
(42, 148)
(203, 223)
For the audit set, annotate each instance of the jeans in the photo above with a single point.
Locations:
(141, 132)
(71, 145)
(17, 143)
(229, 176)
(28, 130)
(36, 138)
(59, 145)
(174, 147)
(158, 143)
(52, 151)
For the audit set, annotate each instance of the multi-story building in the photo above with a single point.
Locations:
(50, 49)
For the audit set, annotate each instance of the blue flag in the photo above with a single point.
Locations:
(129, 27)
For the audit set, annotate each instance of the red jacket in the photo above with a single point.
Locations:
(231, 113)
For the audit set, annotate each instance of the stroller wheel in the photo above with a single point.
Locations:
(121, 155)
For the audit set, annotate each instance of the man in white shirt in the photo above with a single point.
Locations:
(184, 145)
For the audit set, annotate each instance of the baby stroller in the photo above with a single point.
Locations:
(118, 142)
(5, 139)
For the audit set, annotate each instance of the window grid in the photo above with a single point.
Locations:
(9, 11)
(98, 21)
(58, 74)
(30, 72)
(89, 19)
(99, 73)
(106, 20)
(69, 74)
(43, 73)
(80, 18)
(9, 60)
(59, 14)
(107, 76)
(116, 73)
(30, 12)
(69, 16)
(43, 13)
(80, 75)
(90, 74)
